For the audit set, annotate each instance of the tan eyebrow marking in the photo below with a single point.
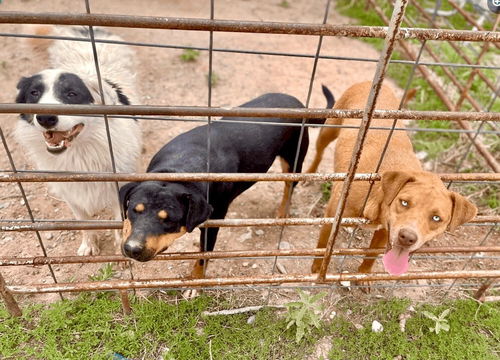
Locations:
(139, 207)
(162, 214)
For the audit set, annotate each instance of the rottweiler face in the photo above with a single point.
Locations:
(157, 213)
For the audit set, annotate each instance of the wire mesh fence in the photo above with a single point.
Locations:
(477, 118)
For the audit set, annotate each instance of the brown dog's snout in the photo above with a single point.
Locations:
(407, 237)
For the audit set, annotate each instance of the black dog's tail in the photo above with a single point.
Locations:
(330, 101)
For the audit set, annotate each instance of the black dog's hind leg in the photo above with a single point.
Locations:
(287, 158)
(208, 237)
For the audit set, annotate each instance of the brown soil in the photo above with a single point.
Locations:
(164, 79)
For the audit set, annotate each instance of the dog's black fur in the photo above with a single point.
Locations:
(234, 148)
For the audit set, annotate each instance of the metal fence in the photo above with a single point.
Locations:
(420, 58)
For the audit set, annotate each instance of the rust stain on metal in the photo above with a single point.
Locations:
(38, 176)
(60, 260)
(258, 280)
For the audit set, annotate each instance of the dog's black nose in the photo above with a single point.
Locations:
(47, 121)
(407, 237)
(132, 249)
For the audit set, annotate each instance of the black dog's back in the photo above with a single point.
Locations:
(236, 146)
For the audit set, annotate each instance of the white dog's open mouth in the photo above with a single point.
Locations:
(58, 141)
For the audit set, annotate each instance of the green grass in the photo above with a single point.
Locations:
(190, 55)
(92, 326)
(474, 333)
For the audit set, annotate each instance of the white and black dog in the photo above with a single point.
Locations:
(80, 143)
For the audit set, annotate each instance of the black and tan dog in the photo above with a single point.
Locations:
(160, 212)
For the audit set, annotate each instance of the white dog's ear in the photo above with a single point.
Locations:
(463, 211)
(109, 94)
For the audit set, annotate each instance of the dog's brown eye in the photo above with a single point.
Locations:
(404, 203)
(35, 92)
(71, 94)
(436, 218)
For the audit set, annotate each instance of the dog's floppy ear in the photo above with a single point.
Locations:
(462, 212)
(393, 182)
(22, 86)
(390, 185)
(125, 192)
(198, 210)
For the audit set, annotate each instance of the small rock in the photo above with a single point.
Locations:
(8, 238)
(332, 315)
(251, 320)
(22, 202)
(421, 155)
(348, 312)
(4, 205)
(377, 327)
(411, 308)
(254, 266)
(346, 283)
(259, 232)
(284, 245)
(49, 236)
(245, 264)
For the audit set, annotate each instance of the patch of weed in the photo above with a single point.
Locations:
(190, 55)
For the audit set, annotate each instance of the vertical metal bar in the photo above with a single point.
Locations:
(11, 303)
(396, 19)
(479, 295)
(209, 118)
(106, 120)
(28, 207)
(127, 310)
(303, 128)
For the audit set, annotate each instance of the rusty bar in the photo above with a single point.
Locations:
(455, 47)
(10, 303)
(480, 293)
(12, 108)
(397, 18)
(61, 260)
(475, 72)
(43, 225)
(127, 310)
(469, 18)
(35, 176)
(157, 22)
(276, 279)
(488, 157)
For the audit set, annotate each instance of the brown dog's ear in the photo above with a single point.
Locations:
(372, 208)
(463, 211)
(393, 182)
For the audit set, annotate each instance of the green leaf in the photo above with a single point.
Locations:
(445, 326)
(430, 315)
(444, 314)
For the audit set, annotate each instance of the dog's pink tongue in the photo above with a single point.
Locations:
(396, 261)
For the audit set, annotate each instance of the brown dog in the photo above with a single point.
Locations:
(408, 207)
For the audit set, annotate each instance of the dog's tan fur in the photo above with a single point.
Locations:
(403, 181)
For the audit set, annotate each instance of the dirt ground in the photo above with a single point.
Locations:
(164, 79)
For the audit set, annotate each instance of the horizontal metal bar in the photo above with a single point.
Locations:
(249, 52)
(157, 22)
(263, 279)
(243, 112)
(39, 176)
(52, 225)
(269, 123)
(60, 260)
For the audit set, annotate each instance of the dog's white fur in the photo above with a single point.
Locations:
(89, 151)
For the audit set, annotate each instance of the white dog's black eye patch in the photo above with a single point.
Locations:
(31, 90)
(70, 89)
